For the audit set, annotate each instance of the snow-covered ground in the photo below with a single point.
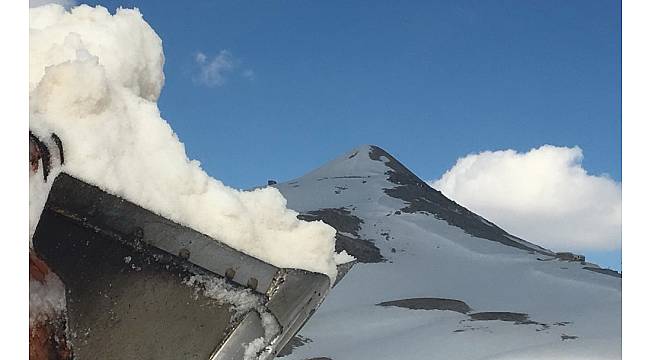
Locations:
(521, 302)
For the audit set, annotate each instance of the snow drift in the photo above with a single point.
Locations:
(94, 80)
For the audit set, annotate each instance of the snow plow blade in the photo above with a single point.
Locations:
(126, 272)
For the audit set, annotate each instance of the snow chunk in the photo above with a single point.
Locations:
(251, 349)
(343, 257)
(94, 81)
(260, 348)
(46, 299)
(241, 300)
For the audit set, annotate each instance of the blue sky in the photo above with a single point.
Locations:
(429, 81)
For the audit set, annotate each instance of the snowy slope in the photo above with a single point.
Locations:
(435, 281)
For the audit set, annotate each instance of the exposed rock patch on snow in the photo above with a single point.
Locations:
(94, 80)
(347, 235)
(430, 304)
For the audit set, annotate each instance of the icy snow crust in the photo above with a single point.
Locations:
(435, 260)
(94, 81)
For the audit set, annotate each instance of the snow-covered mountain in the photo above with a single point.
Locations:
(436, 281)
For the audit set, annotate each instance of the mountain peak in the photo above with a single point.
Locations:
(356, 162)
(468, 279)
(369, 173)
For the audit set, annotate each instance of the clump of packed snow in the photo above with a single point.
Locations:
(241, 301)
(343, 257)
(46, 299)
(270, 324)
(94, 80)
(261, 347)
(251, 349)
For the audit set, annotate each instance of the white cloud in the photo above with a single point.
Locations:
(213, 71)
(543, 196)
(65, 3)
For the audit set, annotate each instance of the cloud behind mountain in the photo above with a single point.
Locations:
(543, 195)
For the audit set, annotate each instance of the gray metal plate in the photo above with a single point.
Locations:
(124, 269)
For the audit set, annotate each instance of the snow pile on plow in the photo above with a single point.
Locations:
(94, 81)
